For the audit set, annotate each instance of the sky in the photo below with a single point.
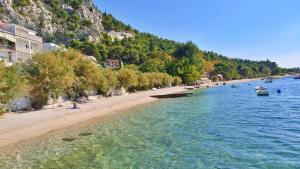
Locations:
(248, 29)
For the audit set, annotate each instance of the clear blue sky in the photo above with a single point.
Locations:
(249, 29)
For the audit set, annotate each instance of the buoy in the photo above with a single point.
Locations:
(278, 91)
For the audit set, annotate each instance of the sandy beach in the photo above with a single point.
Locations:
(19, 127)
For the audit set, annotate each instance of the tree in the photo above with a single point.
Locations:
(227, 70)
(13, 84)
(87, 77)
(50, 75)
(127, 78)
(189, 69)
(188, 49)
(157, 62)
(89, 48)
(153, 65)
(246, 72)
(112, 79)
(209, 66)
(177, 81)
(265, 70)
(191, 75)
(144, 81)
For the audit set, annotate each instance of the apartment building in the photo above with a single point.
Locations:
(18, 44)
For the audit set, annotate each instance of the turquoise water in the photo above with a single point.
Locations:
(220, 127)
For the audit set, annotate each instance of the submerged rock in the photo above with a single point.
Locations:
(69, 139)
(85, 134)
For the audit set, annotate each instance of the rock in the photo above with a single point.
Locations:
(39, 13)
(68, 139)
(85, 134)
(19, 104)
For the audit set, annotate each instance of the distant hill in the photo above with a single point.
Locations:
(81, 25)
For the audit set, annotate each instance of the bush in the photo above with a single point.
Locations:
(13, 84)
(144, 82)
(50, 75)
(127, 78)
(21, 3)
(69, 73)
(177, 81)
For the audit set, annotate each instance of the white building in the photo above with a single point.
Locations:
(18, 44)
(119, 35)
(51, 47)
(91, 58)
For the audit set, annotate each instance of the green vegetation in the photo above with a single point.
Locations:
(110, 23)
(13, 83)
(239, 68)
(149, 61)
(185, 60)
(3, 10)
(69, 74)
(21, 3)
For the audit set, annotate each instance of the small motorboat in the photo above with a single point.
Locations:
(190, 88)
(297, 76)
(261, 91)
(235, 86)
(269, 81)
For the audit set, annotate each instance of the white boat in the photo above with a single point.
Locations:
(258, 87)
(269, 81)
(261, 91)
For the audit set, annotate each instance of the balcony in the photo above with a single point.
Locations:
(7, 45)
(29, 36)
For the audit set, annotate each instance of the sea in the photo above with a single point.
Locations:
(216, 128)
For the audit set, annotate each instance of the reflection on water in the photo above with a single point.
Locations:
(221, 127)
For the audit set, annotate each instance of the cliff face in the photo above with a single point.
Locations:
(55, 20)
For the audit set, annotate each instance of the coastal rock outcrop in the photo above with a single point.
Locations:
(55, 20)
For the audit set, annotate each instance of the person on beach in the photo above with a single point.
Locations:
(75, 105)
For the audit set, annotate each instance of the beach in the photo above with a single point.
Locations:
(19, 127)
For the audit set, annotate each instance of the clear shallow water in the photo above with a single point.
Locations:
(218, 128)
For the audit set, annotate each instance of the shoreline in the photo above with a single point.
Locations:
(16, 128)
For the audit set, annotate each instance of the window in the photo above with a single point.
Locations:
(26, 46)
(9, 57)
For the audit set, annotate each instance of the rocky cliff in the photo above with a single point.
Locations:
(55, 20)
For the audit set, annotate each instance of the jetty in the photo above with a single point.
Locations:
(173, 95)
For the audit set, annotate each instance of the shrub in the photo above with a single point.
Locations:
(127, 78)
(144, 82)
(50, 75)
(177, 81)
(21, 3)
(13, 84)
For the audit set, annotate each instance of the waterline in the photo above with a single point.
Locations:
(218, 128)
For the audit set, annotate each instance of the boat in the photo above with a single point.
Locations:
(269, 81)
(297, 76)
(174, 95)
(190, 88)
(235, 86)
(261, 91)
